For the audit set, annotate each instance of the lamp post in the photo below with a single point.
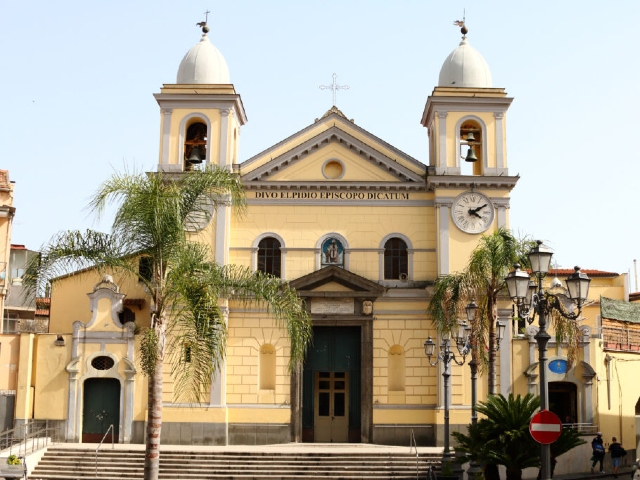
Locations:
(446, 356)
(531, 300)
(472, 309)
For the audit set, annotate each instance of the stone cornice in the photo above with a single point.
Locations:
(334, 186)
(194, 101)
(471, 182)
(469, 104)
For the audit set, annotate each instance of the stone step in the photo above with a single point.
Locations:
(122, 464)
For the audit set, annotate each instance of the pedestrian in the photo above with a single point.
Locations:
(617, 452)
(597, 447)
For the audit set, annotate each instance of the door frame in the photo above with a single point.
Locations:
(366, 375)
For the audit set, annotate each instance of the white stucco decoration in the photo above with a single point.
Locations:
(465, 67)
(203, 64)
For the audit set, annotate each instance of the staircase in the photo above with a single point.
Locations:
(69, 463)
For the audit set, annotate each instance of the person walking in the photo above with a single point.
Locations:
(597, 447)
(617, 452)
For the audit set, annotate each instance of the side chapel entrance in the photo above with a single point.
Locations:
(563, 401)
(101, 409)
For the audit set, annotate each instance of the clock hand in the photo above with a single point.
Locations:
(474, 211)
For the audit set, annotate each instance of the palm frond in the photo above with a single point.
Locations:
(73, 251)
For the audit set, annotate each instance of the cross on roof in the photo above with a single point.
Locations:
(335, 87)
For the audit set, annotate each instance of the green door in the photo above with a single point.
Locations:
(331, 403)
(101, 409)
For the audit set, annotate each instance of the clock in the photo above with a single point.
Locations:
(472, 212)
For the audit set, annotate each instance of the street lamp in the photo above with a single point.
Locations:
(446, 355)
(532, 300)
(472, 309)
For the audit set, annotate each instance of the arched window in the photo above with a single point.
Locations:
(396, 260)
(195, 145)
(471, 149)
(270, 256)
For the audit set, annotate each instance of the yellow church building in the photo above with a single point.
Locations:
(361, 230)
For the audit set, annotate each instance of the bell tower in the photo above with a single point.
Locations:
(201, 114)
(466, 121)
(200, 119)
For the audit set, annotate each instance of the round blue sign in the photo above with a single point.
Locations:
(558, 366)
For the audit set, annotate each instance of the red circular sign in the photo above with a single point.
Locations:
(545, 427)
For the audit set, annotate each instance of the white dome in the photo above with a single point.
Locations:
(203, 64)
(465, 67)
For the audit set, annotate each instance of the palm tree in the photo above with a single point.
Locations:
(503, 438)
(482, 280)
(154, 216)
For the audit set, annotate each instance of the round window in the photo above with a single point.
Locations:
(102, 363)
(333, 169)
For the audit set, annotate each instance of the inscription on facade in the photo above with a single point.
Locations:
(333, 195)
(336, 306)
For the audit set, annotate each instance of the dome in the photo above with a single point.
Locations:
(203, 64)
(465, 67)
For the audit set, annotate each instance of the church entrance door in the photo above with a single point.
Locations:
(101, 409)
(331, 406)
(331, 416)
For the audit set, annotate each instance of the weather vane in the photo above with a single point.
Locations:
(205, 29)
(335, 87)
(461, 24)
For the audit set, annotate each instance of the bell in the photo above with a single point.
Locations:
(196, 156)
(470, 137)
(471, 156)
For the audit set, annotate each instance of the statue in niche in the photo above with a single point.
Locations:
(332, 252)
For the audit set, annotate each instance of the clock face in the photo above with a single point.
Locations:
(472, 212)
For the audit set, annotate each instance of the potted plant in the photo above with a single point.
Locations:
(13, 468)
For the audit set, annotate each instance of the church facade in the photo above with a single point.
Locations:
(361, 230)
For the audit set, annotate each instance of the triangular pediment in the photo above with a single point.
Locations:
(316, 284)
(361, 158)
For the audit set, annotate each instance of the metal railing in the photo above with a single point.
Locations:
(100, 444)
(584, 428)
(413, 444)
(29, 437)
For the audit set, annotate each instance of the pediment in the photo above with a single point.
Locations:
(318, 283)
(300, 158)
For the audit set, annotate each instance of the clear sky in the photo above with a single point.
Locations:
(78, 79)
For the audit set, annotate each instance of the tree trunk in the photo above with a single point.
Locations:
(491, 368)
(154, 407)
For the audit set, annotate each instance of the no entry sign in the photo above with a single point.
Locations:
(545, 427)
